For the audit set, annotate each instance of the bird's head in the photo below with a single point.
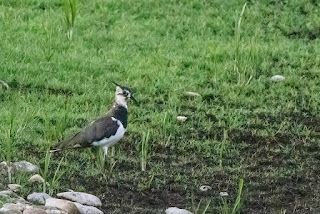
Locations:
(123, 94)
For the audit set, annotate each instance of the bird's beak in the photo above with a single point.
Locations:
(134, 100)
(114, 82)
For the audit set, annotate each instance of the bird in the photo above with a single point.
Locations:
(105, 131)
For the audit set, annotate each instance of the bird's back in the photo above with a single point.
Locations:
(101, 129)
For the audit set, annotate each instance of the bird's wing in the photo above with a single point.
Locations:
(104, 127)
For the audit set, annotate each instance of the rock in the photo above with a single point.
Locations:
(34, 210)
(277, 78)
(87, 209)
(14, 187)
(3, 169)
(1, 187)
(8, 193)
(36, 178)
(182, 118)
(14, 208)
(24, 166)
(81, 197)
(64, 205)
(53, 210)
(176, 210)
(56, 212)
(205, 188)
(10, 197)
(38, 197)
(2, 211)
(224, 194)
(192, 94)
(3, 164)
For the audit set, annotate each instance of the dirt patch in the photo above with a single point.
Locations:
(303, 118)
(304, 34)
(127, 194)
(275, 179)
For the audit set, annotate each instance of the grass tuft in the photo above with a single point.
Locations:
(70, 11)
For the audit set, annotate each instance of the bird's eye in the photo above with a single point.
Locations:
(125, 93)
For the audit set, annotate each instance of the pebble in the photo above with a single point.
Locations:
(277, 78)
(205, 188)
(223, 194)
(36, 178)
(192, 94)
(81, 197)
(176, 210)
(182, 118)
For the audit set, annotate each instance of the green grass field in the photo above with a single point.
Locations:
(243, 125)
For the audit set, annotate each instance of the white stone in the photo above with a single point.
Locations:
(36, 178)
(182, 118)
(24, 166)
(277, 78)
(205, 188)
(192, 94)
(81, 197)
(176, 210)
(14, 187)
(87, 209)
(38, 197)
(64, 205)
(223, 194)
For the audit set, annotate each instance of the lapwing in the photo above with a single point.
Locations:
(107, 130)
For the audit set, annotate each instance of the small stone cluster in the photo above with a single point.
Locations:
(41, 203)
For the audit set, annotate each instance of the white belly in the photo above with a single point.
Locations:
(113, 139)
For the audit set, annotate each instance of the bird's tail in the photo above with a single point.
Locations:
(66, 144)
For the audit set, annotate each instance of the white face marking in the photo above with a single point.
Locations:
(120, 98)
(114, 138)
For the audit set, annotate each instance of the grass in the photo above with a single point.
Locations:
(144, 150)
(226, 208)
(70, 10)
(264, 132)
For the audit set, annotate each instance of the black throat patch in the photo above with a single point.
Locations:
(119, 112)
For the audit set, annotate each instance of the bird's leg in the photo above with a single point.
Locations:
(105, 149)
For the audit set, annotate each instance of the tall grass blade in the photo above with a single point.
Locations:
(144, 150)
(70, 10)
(236, 207)
(46, 169)
(237, 38)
